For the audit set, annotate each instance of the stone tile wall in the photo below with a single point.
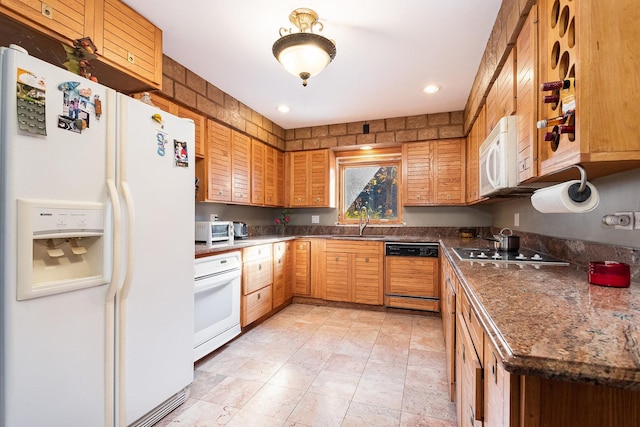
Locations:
(187, 88)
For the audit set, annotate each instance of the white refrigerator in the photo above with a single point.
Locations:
(97, 223)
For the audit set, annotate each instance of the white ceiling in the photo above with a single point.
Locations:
(387, 51)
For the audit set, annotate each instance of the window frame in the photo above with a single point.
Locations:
(378, 157)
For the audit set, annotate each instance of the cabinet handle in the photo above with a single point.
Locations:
(317, 199)
(259, 267)
(258, 295)
(366, 260)
(337, 258)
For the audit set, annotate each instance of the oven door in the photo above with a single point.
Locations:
(217, 311)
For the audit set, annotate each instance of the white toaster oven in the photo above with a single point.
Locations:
(214, 232)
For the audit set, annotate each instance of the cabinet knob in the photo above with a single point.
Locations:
(259, 266)
(258, 295)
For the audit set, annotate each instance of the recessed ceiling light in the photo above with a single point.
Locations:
(284, 108)
(366, 147)
(431, 89)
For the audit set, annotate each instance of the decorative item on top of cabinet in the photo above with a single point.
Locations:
(257, 280)
(433, 172)
(311, 178)
(590, 43)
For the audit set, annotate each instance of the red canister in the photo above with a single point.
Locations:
(609, 273)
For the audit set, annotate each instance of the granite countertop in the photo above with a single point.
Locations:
(549, 321)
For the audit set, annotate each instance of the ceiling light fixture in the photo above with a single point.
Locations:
(431, 89)
(304, 53)
(283, 108)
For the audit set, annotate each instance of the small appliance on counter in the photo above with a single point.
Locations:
(214, 232)
(240, 230)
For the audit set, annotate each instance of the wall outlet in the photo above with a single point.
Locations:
(628, 224)
(213, 217)
(315, 219)
(636, 215)
(516, 219)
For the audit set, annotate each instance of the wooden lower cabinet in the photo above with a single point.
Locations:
(353, 271)
(448, 289)
(257, 280)
(302, 267)
(501, 391)
(282, 273)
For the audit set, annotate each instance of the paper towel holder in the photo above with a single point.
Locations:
(580, 192)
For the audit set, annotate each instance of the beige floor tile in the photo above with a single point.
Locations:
(320, 410)
(345, 363)
(246, 418)
(203, 382)
(233, 392)
(433, 359)
(413, 420)
(204, 414)
(385, 371)
(361, 415)
(293, 376)
(421, 376)
(338, 384)
(390, 353)
(311, 359)
(429, 403)
(223, 363)
(274, 401)
(380, 392)
(258, 369)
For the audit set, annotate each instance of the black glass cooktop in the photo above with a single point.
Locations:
(523, 256)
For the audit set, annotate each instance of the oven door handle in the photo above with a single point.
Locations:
(209, 285)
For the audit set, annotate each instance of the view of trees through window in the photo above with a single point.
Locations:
(374, 187)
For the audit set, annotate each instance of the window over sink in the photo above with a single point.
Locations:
(371, 181)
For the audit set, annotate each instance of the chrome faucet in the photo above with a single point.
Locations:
(366, 217)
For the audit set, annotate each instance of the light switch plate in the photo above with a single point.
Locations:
(315, 219)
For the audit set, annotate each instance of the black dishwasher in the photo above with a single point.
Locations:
(412, 276)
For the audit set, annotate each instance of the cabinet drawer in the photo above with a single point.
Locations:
(256, 275)
(471, 320)
(256, 252)
(412, 303)
(353, 246)
(257, 304)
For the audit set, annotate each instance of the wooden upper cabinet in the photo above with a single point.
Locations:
(258, 169)
(591, 42)
(475, 138)
(219, 161)
(280, 178)
(434, 172)
(273, 177)
(125, 40)
(501, 99)
(526, 97)
(311, 178)
(240, 168)
(129, 41)
(201, 128)
(56, 17)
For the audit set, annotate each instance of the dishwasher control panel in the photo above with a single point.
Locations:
(428, 250)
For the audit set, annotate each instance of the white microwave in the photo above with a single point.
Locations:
(214, 232)
(498, 162)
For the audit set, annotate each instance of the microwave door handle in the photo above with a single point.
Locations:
(492, 166)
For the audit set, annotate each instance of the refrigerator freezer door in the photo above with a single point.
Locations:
(156, 178)
(53, 372)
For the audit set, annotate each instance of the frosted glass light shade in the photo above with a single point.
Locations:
(304, 54)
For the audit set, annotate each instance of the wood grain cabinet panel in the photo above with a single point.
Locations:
(302, 267)
(311, 178)
(240, 168)
(219, 153)
(258, 169)
(282, 273)
(434, 172)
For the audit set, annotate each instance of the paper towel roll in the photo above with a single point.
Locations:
(556, 199)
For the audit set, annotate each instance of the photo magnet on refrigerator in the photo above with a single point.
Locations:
(161, 139)
(76, 107)
(181, 155)
(31, 91)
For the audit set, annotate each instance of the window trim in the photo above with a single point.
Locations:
(382, 157)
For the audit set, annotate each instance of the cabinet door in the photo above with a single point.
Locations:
(258, 167)
(281, 273)
(240, 168)
(129, 41)
(474, 140)
(449, 324)
(256, 305)
(270, 176)
(526, 90)
(469, 387)
(219, 161)
(507, 87)
(57, 17)
(201, 128)
(298, 178)
(337, 276)
(449, 172)
(302, 268)
(417, 170)
(320, 187)
(497, 391)
(368, 277)
(280, 178)
(412, 276)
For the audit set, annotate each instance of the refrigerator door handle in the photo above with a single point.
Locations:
(112, 289)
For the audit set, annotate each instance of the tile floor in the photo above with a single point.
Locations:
(324, 366)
